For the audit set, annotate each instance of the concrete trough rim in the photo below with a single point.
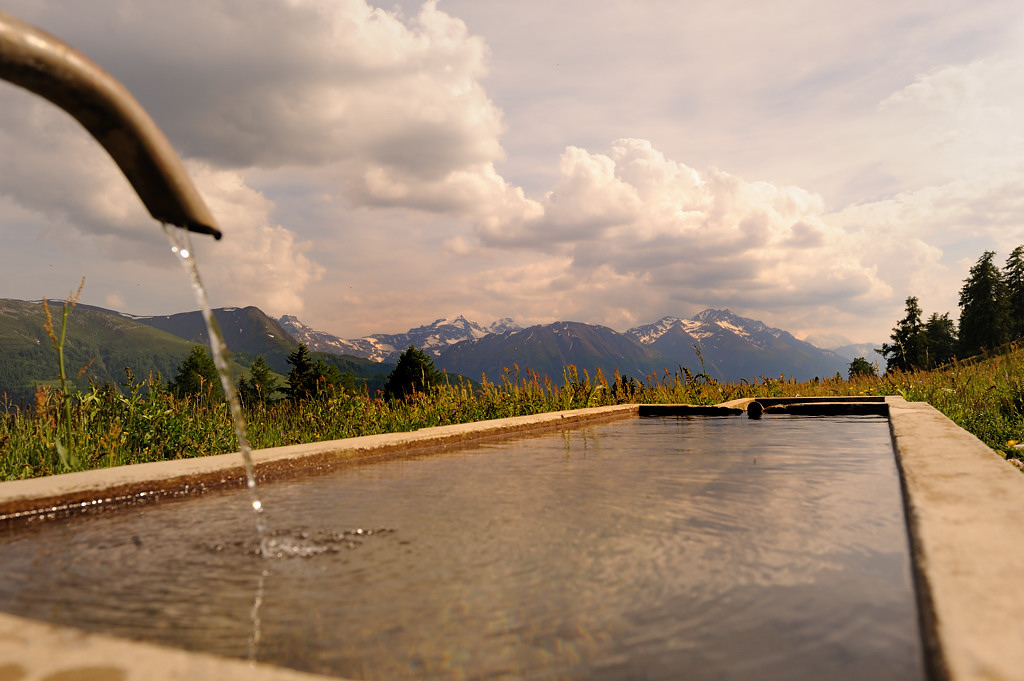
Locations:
(963, 503)
(93, 491)
(772, 401)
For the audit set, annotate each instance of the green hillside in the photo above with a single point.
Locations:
(103, 342)
(112, 341)
(247, 330)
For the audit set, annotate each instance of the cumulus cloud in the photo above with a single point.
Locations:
(389, 109)
(297, 82)
(256, 260)
(925, 240)
(54, 167)
(704, 238)
(953, 138)
(66, 178)
(310, 120)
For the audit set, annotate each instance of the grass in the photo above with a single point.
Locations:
(145, 422)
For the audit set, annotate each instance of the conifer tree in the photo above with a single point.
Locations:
(415, 372)
(308, 377)
(984, 309)
(907, 350)
(940, 339)
(261, 385)
(197, 375)
(1013, 273)
(860, 366)
(329, 374)
(302, 377)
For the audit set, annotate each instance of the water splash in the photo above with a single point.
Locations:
(286, 544)
(181, 246)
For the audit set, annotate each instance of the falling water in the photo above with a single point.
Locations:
(181, 246)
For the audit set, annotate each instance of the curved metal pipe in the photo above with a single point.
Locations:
(46, 66)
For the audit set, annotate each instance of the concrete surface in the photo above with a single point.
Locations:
(36, 651)
(965, 510)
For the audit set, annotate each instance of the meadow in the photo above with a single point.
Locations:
(145, 422)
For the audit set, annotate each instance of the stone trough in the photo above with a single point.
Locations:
(963, 505)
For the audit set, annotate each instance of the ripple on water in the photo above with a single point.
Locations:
(300, 543)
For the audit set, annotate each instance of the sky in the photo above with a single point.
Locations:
(374, 167)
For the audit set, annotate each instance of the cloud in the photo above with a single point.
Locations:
(256, 260)
(56, 168)
(389, 109)
(65, 177)
(703, 238)
(369, 133)
(958, 120)
(297, 82)
(924, 240)
(953, 138)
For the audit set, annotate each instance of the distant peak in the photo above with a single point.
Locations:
(712, 314)
(448, 321)
(503, 325)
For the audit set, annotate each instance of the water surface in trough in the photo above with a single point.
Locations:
(653, 548)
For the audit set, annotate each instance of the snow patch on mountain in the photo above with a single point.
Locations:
(381, 347)
(709, 325)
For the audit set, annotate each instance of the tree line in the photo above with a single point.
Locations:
(197, 376)
(991, 315)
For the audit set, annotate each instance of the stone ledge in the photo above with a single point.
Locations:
(965, 511)
(37, 651)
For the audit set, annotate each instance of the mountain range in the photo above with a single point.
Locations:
(723, 345)
(384, 347)
(732, 347)
(100, 343)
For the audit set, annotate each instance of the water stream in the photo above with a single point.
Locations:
(181, 246)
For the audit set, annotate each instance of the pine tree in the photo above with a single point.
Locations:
(940, 339)
(1013, 273)
(197, 375)
(907, 351)
(329, 374)
(860, 366)
(301, 378)
(984, 308)
(261, 385)
(415, 372)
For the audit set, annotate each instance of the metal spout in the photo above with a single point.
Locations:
(46, 66)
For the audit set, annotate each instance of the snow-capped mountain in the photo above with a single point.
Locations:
(382, 347)
(734, 347)
(731, 347)
(319, 341)
(708, 324)
(547, 349)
